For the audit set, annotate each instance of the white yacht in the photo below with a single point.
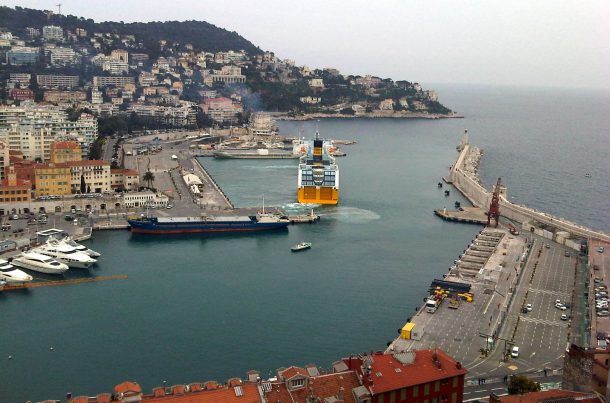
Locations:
(81, 248)
(67, 254)
(12, 275)
(38, 262)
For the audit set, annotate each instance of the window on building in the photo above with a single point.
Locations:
(297, 383)
(380, 399)
(415, 390)
(435, 400)
(393, 397)
(454, 397)
(426, 389)
(437, 386)
(403, 393)
(455, 381)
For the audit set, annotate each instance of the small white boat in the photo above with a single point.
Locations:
(301, 246)
(2, 284)
(81, 248)
(40, 263)
(12, 275)
(67, 254)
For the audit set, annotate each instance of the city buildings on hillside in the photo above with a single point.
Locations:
(222, 109)
(32, 129)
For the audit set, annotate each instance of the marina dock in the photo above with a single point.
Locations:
(70, 281)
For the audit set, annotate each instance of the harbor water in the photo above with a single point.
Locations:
(199, 308)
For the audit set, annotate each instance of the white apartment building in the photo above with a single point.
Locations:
(147, 79)
(62, 56)
(32, 129)
(101, 81)
(115, 67)
(56, 81)
(95, 173)
(96, 97)
(52, 32)
(21, 78)
(228, 74)
(145, 199)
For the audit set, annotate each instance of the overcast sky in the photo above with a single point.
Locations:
(521, 42)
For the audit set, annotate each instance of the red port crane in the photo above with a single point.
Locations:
(494, 206)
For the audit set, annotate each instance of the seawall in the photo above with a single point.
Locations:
(462, 175)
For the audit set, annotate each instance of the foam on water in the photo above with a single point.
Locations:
(265, 167)
(352, 215)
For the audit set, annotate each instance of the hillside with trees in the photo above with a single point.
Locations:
(200, 34)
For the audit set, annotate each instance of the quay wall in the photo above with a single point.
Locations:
(213, 182)
(470, 187)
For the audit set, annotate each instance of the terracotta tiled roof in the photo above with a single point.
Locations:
(292, 372)
(249, 394)
(131, 172)
(87, 163)
(387, 373)
(128, 386)
(535, 397)
(321, 386)
(65, 145)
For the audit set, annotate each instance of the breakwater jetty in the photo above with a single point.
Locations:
(511, 299)
(463, 177)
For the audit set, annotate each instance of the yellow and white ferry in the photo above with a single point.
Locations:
(318, 180)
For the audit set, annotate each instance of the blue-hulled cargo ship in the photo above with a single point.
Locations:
(206, 223)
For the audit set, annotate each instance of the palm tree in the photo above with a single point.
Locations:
(149, 178)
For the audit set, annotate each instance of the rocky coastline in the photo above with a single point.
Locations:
(371, 115)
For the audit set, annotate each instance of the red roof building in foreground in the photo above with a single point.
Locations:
(554, 395)
(414, 376)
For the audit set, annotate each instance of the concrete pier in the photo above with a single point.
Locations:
(470, 215)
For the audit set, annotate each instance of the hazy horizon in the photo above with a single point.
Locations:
(561, 44)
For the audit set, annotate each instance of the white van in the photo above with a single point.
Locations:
(515, 352)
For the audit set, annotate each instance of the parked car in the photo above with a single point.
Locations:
(560, 306)
(600, 249)
(528, 307)
(567, 254)
(514, 352)
(564, 317)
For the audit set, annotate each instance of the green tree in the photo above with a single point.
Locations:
(83, 185)
(519, 384)
(149, 178)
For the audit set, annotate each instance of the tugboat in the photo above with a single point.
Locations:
(301, 246)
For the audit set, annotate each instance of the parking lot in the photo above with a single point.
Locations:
(599, 262)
